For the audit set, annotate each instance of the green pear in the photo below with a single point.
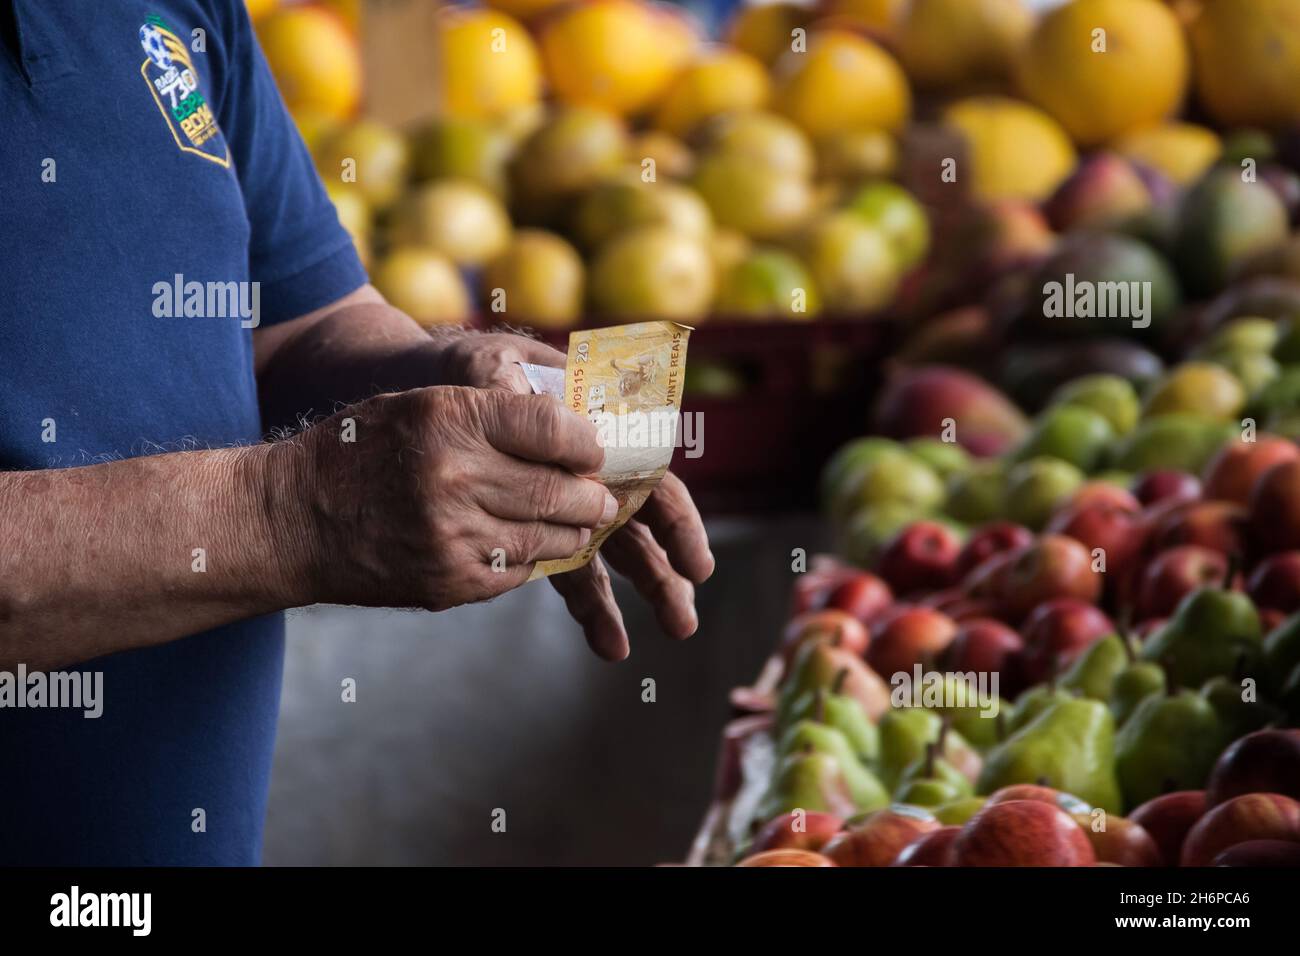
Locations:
(946, 458)
(956, 812)
(822, 666)
(904, 732)
(933, 769)
(1032, 702)
(1282, 651)
(975, 495)
(1176, 440)
(971, 718)
(927, 793)
(846, 715)
(1072, 433)
(808, 781)
(1170, 743)
(810, 736)
(1212, 632)
(1239, 708)
(1093, 673)
(1111, 396)
(1036, 487)
(1069, 746)
(1134, 684)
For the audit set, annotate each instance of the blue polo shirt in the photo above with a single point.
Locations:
(138, 156)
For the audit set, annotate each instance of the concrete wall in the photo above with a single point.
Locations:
(502, 705)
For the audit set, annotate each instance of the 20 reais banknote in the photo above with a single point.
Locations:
(627, 380)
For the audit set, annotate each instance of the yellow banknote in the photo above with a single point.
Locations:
(627, 381)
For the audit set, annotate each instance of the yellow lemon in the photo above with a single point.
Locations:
(1247, 57)
(315, 60)
(1103, 68)
(1017, 151)
(947, 43)
(653, 273)
(369, 155)
(489, 65)
(458, 218)
(425, 285)
(766, 30)
(842, 82)
(723, 81)
(536, 280)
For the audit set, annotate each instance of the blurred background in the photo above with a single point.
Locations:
(860, 204)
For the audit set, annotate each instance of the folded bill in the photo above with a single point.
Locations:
(628, 381)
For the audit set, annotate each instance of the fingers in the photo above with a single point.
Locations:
(517, 491)
(538, 428)
(539, 353)
(672, 516)
(634, 553)
(523, 542)
(590, 599)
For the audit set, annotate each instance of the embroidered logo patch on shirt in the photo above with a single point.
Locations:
(174, 83)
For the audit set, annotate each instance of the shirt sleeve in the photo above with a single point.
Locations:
(298, 251)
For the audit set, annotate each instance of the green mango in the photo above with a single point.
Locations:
(957, 812)
(1170, 743)
(1134, 684)
(1282, 651)
(1212, 632)
(1069, 746)
(810, 736)
(1093, 673)
(1239, 708)
(846, 715)
(808, 781)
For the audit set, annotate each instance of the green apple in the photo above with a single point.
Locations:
(1036, 487)
(1071, 433)
(1112, 397)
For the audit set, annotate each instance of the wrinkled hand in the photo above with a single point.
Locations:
(447, 495)
(663, 551)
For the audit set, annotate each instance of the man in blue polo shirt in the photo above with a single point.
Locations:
(174, 284)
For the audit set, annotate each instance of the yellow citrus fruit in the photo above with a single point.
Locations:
(617, 55)
(257, 9)
(489, 65)
(626, 202)
(458, 218)
(767, 284)
(425, 285)
(760, 137)
(852, 262)
(653, 273)
(763, 202)
(1106, 67)
(879, 15)
(570, 152)
(462, 149)
(720, 82)
(1182, 151)
(947, 43)
(525, 10)
(1247, 57)
(315, 60)
(375, 155)
(1017, 150)
(540, 278)
(354, 216)
(842, 82)
(766, 30)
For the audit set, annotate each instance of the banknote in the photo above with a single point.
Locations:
(627, 380)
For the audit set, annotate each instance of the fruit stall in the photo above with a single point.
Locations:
(1007, 292)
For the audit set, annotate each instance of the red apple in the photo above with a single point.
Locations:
(911, 638)
(813, 588)
(808, 830)
(1118, 532)
(932, 849)
(1252, 816)
(1056, 633)
(987, 580)
(1107, 493)
(1022, 833)
(786, 858)
(832, 626)
(1266, 761)
(1232, 473)
(1166, 485)
(879, 839)
(921, 557)
(1054, 566)
(1176, 573)
(1034, 791)
(996, 538)
(1217, 525)
(1261, 854)
(1275, 582)
(861, 594)
(1168, 818)
(1274, 509)
(982, 645)
(1119, 841)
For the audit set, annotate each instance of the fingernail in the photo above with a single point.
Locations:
(584, 535)
(611, 509)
